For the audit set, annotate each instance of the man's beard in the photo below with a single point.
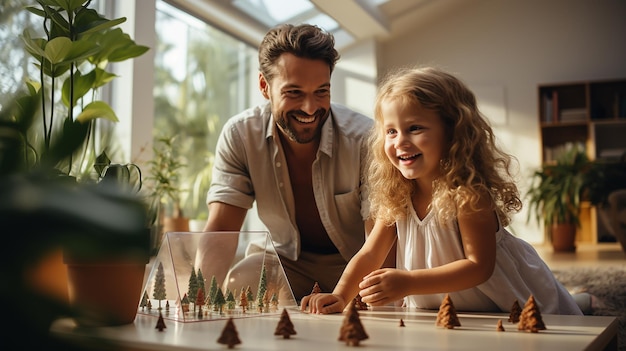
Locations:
(303, 137)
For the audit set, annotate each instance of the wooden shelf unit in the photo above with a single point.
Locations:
(592, 113)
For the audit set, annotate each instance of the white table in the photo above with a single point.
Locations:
(320, 333)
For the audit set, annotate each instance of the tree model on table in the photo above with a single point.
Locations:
(352, 331)
(516, 310)
(447, 317)
(193, 287)
(316, 289)
(200, 301)
(499, 326)
(160, 325)
(243, 301)
(530, 319)
(229, 336)
(159, 285)
(360, 305)
(144, 300)
(285, 326)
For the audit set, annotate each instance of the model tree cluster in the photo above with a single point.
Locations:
(352, 331)
(447, 317)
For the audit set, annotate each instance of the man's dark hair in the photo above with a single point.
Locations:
(305, 40)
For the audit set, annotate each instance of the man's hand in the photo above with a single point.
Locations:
(322, 303)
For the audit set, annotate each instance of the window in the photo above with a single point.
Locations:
(202, 77)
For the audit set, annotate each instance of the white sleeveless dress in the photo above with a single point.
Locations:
(518, 273)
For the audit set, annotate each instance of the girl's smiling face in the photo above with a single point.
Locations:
(415, 139)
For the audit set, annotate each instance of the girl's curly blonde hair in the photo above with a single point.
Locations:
(474, 165)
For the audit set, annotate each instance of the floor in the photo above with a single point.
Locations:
(586, 255)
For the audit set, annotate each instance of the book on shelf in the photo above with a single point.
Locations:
(573, 115)
(555, 105)
(547, 107)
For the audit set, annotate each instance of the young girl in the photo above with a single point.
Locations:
(442, 188)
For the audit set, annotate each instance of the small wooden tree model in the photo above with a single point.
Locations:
(360, 305)
(229, 335)
(316, 289)
(285, 326)
(499, 326)
(516, 310)
(530, 318)
(160, 322)
(446, 317)
(352, 331)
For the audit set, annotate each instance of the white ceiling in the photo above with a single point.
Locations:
(363, 19)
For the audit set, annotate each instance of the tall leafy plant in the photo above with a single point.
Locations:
(73, 58)
(557, 189)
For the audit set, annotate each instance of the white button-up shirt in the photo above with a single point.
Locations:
(250, 165)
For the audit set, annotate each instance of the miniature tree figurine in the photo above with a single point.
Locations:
(499, 326)
(230, 300)
(285, 326)
(360, 305)
(530, 319)
(167, 305)
(159, 285)
(201, 282)
(446, 317)
(243, 301)
(262, 289)
(160, 322)
(144, 300)
(516, 310)
(274, 301)
(316, 289)
(402, 322)
(229, 335)
(249, 296)
(219, 301)
(200, 301)
(352, 331)
(212, 292)
(192, 289)
(149, 305)
(185, 303)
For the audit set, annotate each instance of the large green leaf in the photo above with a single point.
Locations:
(57, 49)
(82, 85)
(97, 109)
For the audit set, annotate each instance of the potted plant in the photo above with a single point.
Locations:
(164, 182)
(555, 196)
(48, 150)
(603, 183)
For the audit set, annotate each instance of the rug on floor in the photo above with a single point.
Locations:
(607, 285)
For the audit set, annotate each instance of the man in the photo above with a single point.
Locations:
(300, 157)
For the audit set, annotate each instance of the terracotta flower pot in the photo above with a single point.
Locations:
(105, 293)
(563, 237)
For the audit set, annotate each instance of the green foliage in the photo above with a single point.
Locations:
(165, 173)
(603, 178)
(72, 60)
(556, 191)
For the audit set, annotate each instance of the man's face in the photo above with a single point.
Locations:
(299, 95)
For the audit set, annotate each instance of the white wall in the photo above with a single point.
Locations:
(503, 49)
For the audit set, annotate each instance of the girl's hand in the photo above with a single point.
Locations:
(384, 286)
(322, 303)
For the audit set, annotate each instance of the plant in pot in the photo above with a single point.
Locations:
(604, 185)
(164, 183)
(555, 196)
(54, 128)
